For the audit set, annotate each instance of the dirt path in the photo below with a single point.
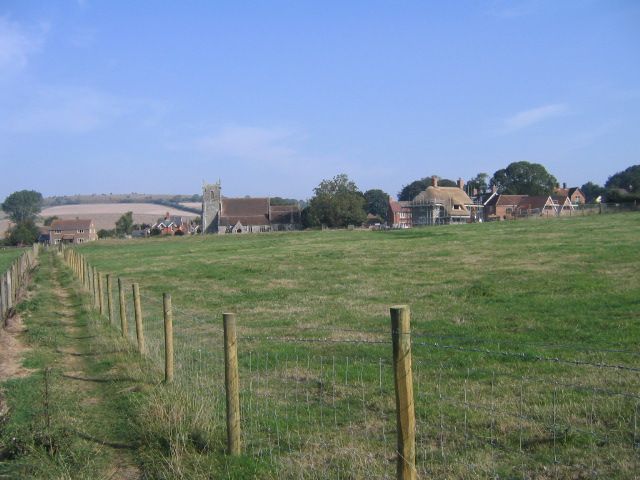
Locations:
(81, 372)
(78, 377)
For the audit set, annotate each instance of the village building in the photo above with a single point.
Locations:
(171, 224)
(399, 214)
(507, 207)
(575, 195)
(245, 215)
(444, 205)
(72, 231)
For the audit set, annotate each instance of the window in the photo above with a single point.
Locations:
(80, 240)
(80, 231)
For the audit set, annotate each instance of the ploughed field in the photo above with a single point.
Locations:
(525, 346)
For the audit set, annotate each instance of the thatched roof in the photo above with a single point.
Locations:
(454, 199)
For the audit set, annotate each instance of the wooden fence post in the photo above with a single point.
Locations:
(123, 310)
(403, 378)
(138, 315)
(110, 300)
(100, 294)
(168, 338)
(232, 383)
(94, 282)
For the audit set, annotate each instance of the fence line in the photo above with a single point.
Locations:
(323, 407)
(14, 280)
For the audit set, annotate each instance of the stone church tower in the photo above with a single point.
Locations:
(211, 205)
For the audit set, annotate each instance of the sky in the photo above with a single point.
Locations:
(271, 97)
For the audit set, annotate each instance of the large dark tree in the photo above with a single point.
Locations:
(524, 178)
(23, 205)
(377, 203)
(628, 180)
(337, 203)
(23, 233)
(592, 191)
(410, 191)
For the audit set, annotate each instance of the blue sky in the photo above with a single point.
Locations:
(273, 96)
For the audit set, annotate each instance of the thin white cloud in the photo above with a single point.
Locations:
(76, 110)
(532, 116)
(250, 143)
(18, 43)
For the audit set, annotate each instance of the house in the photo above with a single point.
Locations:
(245, 215)
(501, 207)
(399, 214)
(537, 205)
(72, 231)
(443, 205)
(563, 204)
(171, 224)
(576, 196)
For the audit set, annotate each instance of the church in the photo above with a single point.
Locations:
(245, 215)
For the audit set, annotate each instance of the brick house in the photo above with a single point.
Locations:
(170, 224)
(72, 231)
(399, 214)
(575, 195)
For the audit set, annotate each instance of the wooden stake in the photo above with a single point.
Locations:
(168, 338)
(100, 293)
(138, 316)
(232, 383)
(403, 378)
(110, 300)
(123, 310)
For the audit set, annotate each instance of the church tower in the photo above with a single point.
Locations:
(210, 207)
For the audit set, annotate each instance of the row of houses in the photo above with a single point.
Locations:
(437, 205)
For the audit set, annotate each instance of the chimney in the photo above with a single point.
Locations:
(494, 189)
(564, 185)
(461, 184)
(434, 181)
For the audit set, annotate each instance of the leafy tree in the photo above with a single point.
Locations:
(592, 191)
(377, 203)
(337, 203)
(124, 225)
(49, 220)
(282, 201)
(479, 183)
(410, 191)
(445, 182)
(155, 231)
(24, 233)
(524, 178)
(23, 205)
(104, 233)
(628, 180)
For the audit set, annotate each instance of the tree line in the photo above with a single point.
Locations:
(338, 202)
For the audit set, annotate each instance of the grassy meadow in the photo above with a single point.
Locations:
(525, 349)
(7, 256)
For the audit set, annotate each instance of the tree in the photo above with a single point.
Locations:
(445, 182)
(410, 191)
(377, 203)
(124, 225)
(628, 180)
(49, 220)
(24, 233)
(337, 203)
(479, 183)
(23, 205)
(524, 178)
(592, 191)
(104, 233)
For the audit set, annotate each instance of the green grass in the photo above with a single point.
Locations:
(7, 256)
(566, 288)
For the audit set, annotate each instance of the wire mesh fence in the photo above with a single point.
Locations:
(321, 402)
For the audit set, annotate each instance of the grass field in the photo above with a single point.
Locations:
(525, 348)
(8, 255)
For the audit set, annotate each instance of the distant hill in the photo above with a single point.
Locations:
(173, 201)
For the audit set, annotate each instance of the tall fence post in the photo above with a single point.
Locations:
(123, 310)
(232, 383)
(403, 378)
(100, 293)
(138, 316)
(110, 300)
(168, 338)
